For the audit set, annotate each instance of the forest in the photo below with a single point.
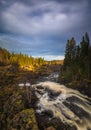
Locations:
(19, 60)
(77, 62)
(76, 65)
(20, 100)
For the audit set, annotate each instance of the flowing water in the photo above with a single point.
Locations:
(69, 105)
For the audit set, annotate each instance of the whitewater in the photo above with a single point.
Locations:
(69, 105)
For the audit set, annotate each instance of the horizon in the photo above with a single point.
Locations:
(41, 28)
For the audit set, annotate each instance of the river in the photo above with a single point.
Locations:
(68, 105)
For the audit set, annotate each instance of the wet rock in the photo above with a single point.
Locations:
(53, 93)
(44, 123)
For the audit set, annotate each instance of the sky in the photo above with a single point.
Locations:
(41, 28)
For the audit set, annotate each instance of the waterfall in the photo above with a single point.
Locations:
(69, 105)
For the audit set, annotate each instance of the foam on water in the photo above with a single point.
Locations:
(69, 105)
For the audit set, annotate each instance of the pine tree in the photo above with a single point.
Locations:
(77, 62)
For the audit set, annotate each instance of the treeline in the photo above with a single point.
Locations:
(22, 59)
(56, 62)
(77, 62)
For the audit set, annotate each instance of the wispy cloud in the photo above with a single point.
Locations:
(41, 27)
(45, 18)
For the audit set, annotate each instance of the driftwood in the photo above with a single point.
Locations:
(28, 91)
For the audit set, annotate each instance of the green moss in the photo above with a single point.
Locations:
(24, 120)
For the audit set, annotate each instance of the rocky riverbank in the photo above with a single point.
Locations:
(18, 100)
(17, 104)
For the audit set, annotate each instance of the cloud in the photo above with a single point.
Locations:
(51, 52)
(41, 27)
(43, 18)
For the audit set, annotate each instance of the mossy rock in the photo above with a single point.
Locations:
(24, 120)
(14, 104)
(50, 128)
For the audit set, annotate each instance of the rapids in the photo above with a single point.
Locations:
(69, 105)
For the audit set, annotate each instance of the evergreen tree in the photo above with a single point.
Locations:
(77, 62)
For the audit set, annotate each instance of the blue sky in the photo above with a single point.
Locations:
(42, 27)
